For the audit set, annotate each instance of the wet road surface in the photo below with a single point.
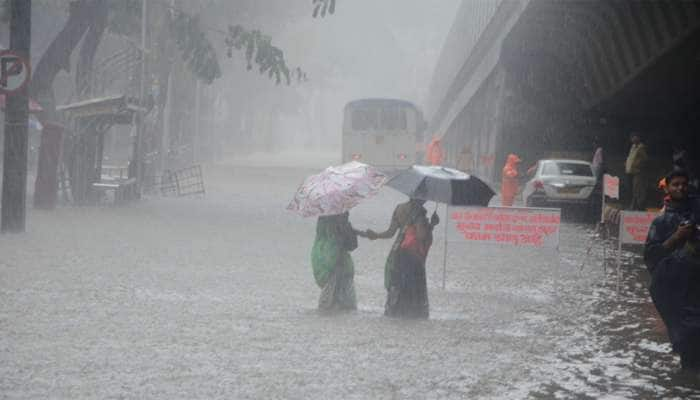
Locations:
(214, 298)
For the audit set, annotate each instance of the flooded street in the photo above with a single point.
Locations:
(154, 157)
(214, 298)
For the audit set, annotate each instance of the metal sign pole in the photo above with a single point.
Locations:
(619, 250)
(15, 73)
(444, 256)
(602, 218)
(605, 248)
(602, 203)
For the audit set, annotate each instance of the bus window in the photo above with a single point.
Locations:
(393, 118)
(364, 119)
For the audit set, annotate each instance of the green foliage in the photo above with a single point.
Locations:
(321, 7)
(197, 51)
(258, 49)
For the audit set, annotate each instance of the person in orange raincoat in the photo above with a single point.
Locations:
(433, 153)
(509, 182)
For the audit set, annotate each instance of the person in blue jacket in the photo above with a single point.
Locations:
(672, 255)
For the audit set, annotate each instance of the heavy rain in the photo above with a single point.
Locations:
(349, 199)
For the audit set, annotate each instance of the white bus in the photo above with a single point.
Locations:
(382, 132)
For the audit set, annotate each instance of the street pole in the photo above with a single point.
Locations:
(167, 114)
(619, 252)
(14, 180)
(137, 161)
(165, 136)
(602, 200)
(444, 255)
(197, 111)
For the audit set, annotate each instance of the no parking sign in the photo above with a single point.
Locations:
(14, 72)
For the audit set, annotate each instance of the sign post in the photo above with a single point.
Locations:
(14, 72)
(444, 256)
(14, 76)
(619, 256)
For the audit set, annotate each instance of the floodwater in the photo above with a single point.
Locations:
(214, 298)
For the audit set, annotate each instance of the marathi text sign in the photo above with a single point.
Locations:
(533, 227)
(611, 185)
(634, 226)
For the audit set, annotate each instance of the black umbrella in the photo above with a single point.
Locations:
(442, 185)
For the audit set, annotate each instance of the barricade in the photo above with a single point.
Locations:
(183, 182)
(509, 226)
(634, 228)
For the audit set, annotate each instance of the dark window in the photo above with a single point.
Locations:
(364, 119)
(393, 118)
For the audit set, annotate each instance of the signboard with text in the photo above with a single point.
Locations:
(634, 226)
(611, 186)
(531, 227)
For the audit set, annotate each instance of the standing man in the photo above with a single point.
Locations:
(672, 255)
(635, 167)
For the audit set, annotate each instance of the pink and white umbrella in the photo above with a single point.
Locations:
(336, 189)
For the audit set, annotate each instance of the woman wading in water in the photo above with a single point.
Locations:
(332, 264)
(404, 272)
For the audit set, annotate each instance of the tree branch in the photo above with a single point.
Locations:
(322, 7)
(57, 56)
(84, 69)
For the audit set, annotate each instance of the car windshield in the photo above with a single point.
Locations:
(567, 169)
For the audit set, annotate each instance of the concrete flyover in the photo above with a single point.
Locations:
(543, 77)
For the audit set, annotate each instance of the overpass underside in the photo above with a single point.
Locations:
(570, 71)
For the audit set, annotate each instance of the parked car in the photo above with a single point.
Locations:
(563, 184)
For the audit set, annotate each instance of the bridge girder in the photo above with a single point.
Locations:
(573, 67)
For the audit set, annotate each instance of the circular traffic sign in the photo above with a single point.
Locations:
(14, 72)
